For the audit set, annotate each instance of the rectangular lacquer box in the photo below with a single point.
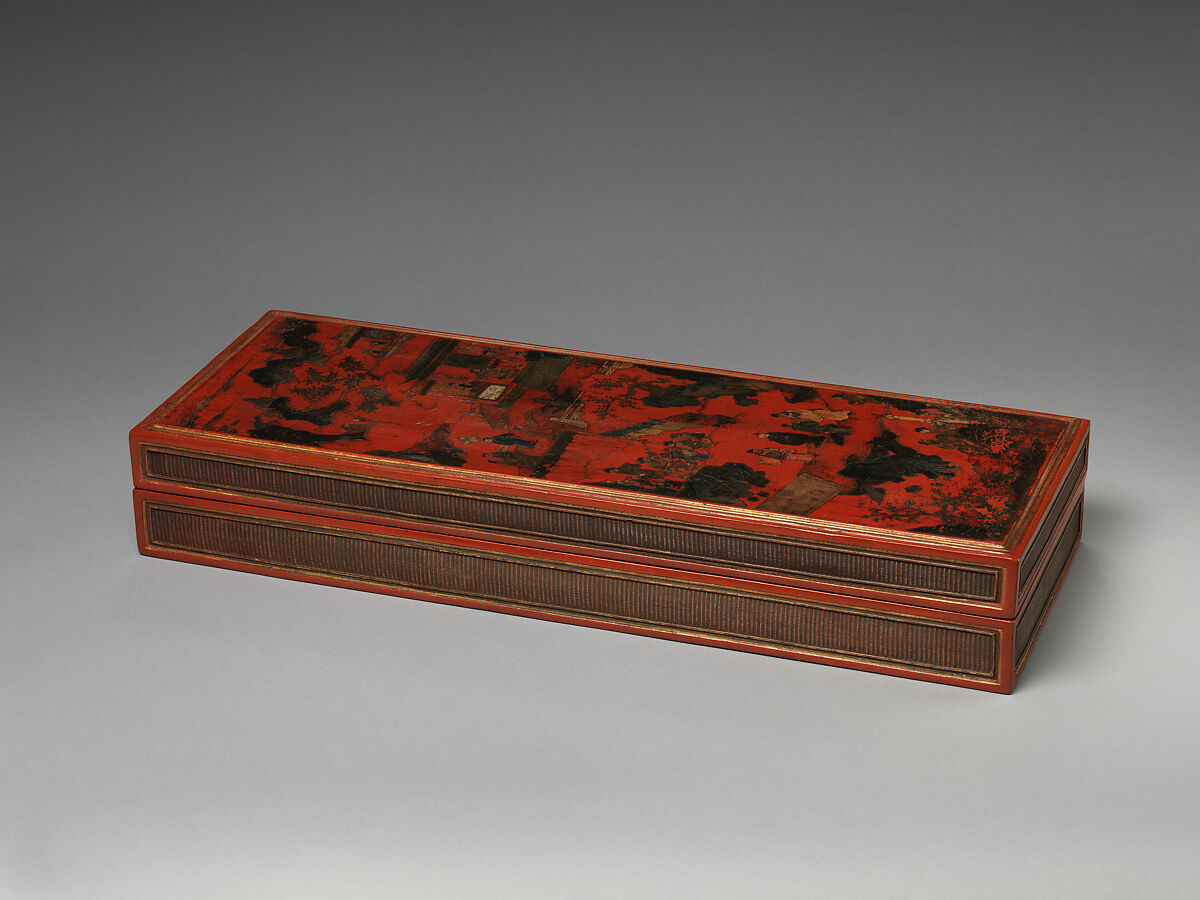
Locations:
(870, 502)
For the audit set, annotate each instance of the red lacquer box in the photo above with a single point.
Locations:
(866, 529)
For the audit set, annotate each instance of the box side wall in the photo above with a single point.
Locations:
(771, 548)
(864, 634)
(1049, 581)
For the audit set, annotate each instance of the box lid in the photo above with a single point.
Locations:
(901, 477)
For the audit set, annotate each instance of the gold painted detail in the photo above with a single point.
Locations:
(605, 595)
(577, 526)
(801, 495)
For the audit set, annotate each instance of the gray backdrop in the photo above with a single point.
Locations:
(990, 202)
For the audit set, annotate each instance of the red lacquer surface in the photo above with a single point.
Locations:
(829, 453)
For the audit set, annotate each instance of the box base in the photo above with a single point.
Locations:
(702, 608)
